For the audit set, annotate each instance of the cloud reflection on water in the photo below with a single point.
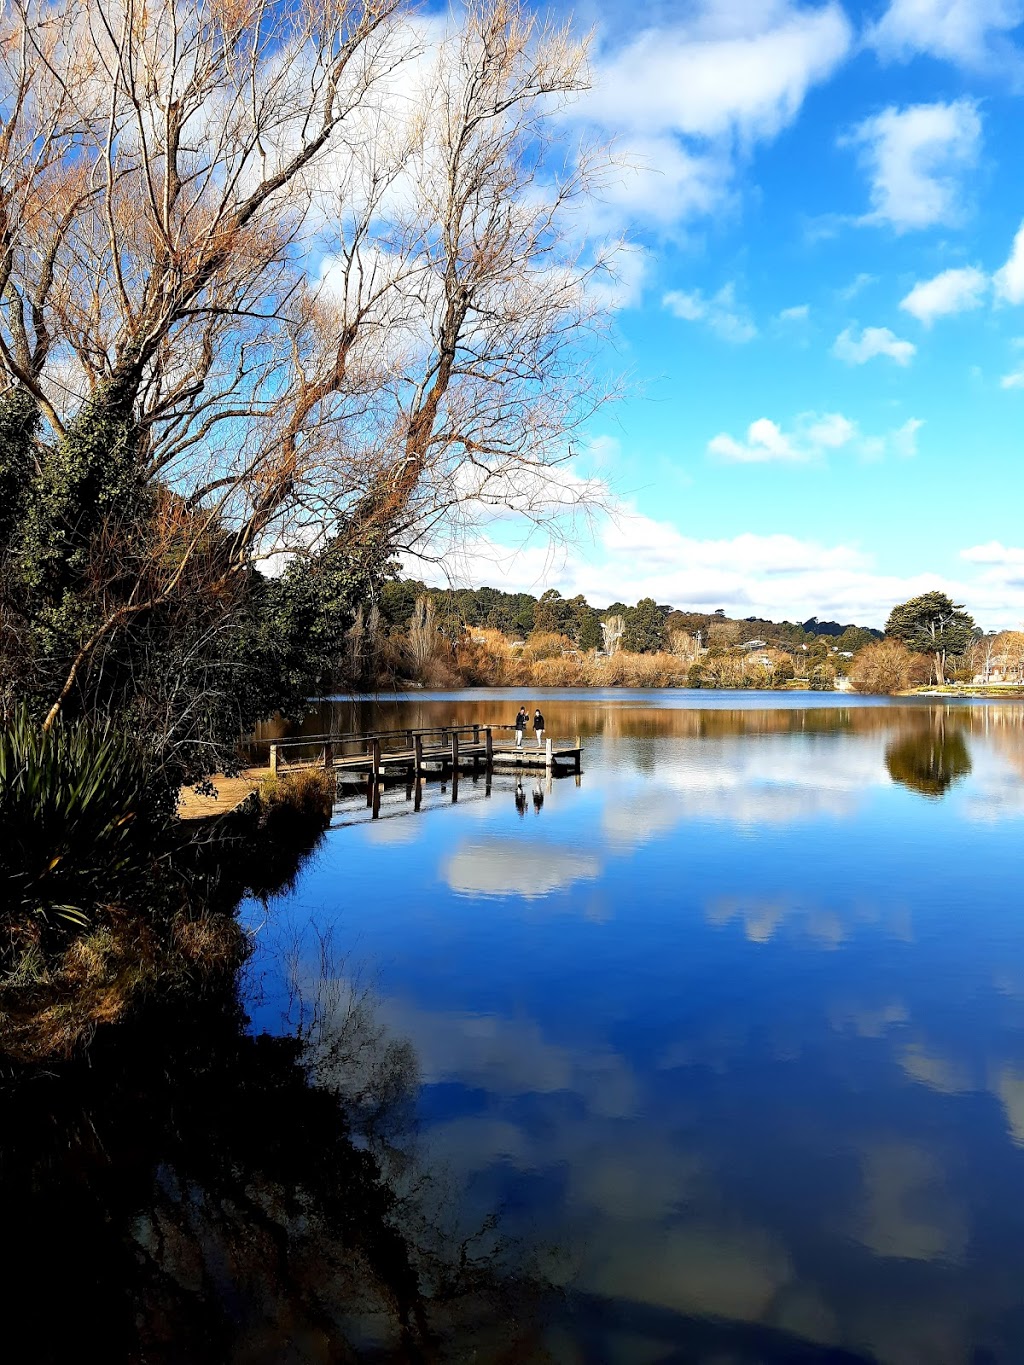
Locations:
(784, 1083)
(496, 867)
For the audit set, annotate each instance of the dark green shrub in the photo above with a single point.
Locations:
(81, 814)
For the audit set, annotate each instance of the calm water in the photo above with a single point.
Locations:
(726, 1037)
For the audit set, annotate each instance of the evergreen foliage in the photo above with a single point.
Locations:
(19, 419)
(932, 622)
(645, 628)
(590, 636)
(86, 534)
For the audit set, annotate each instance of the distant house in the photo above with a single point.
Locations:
(754, 644)
(1001, 669)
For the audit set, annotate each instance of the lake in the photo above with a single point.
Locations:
(724, 1037)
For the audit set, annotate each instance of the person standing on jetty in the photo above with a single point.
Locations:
(538, 727)
(522, 719)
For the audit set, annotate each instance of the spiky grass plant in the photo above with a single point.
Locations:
(80, 809)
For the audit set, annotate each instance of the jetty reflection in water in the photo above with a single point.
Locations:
(737, 1023)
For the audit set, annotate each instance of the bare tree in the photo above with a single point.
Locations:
(1010, 656)
(491, 314)
(613, 628)
(885, 667)
(317, 260)
(682, 643)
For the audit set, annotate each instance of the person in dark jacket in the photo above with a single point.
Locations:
(538, 727)
(522, 720)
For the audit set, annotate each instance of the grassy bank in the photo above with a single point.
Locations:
(110, 896)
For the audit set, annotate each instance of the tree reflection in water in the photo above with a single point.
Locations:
(194, 1193)
(929, 758)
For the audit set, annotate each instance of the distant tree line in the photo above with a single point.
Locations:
(448, 636)
(406, 629)
(648, 626)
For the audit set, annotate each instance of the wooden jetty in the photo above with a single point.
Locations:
(379, 757)
(384, 755)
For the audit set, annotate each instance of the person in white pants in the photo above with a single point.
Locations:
(521, 722)
(538, 727)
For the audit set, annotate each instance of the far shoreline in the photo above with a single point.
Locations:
(413, 691)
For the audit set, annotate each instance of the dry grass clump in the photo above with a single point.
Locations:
(487, 658)
(51, 1007)
(111, 901)
(307, 794)
(637, 670)
(559, 672)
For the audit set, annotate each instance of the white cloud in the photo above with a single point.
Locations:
(720, 312)
(720, 72)
(1002, 565)
(954, 291)
(1013, 380)
(916, 159)
(765, 441)
(904, 439)
(685, 99)
(798, 314)
(966, 287)
(831, 432)
(873, 341)
(619, 277)
(970, 33)
(754, 573)
(603, 451)
(1009, 281)
(812, 437)
(661, 184)
(856, 285)
(993, 552)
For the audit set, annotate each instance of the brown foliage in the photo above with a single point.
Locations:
(888, 666)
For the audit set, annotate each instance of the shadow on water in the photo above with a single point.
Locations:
(195, 1193)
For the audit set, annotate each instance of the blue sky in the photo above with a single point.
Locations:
(821, 314)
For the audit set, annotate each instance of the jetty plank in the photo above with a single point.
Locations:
(231, 792)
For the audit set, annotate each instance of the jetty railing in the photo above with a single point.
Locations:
(374, 750)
